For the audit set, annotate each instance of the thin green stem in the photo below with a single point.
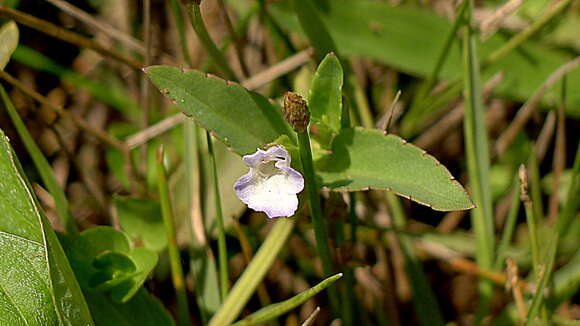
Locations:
(233, 36)
(477, 152)
(222, 249)
(425, 302)
(174, 258)
(443, 55)
(526, 33)
(180, 24)
(571, 206)
(194, 12)
(509, 226)
(316, 210)
(532, 227)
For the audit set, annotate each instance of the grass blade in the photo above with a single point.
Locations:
(477, 152)
(278, 309)
(43, 167)
(174, 258)
(254, 273)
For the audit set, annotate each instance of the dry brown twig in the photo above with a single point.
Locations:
(108, 30)
(526, 111)
(65, 35)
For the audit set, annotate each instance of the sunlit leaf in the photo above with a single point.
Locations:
(37, 284)
(243, 120)
(367, 159)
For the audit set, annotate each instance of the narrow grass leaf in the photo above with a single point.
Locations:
(254, 273)
(428, 310)
(390, 34)
(42, 166)
(280, 308)
(546, 273)
(367, 159)
(314, 27)
(477, 156)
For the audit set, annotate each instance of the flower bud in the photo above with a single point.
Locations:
(296, 111)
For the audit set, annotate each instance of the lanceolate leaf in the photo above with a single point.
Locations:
(37, 285)
(367, 159)
(277, 309)
(325, 99)
(243, 120)
(9, 41)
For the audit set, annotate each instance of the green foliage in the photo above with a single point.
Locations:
(277, 309)
(35, 275)
(391, 34)
(9, 40)
(141, 219)
(105, 260)
(367, 159)
(42, 165)
(325, 100)
(241, 119)
(254, 273)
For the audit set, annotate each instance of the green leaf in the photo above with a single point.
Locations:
(243, 120)
(141, 219)
(367, 159)
(104, 259)
(9, 40)
(25, 294)
(314, 27)
(37, 284)
(42, 165)
(325, 100)
(254, 273)
(278, 309)
(390, 34)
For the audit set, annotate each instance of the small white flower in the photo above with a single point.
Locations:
(272, 185)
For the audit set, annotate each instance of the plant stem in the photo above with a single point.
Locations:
(531, 219)
(526, 33)
(222, 248)
(194, 13)
(477, 154)
(509, 226)
(174, 258)
(316, 211)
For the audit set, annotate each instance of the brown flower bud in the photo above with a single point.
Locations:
(296, 111)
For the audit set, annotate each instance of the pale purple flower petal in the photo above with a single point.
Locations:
(272, 185)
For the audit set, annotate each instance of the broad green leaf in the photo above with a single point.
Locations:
(37, 284)
(325, 99)
(367, 159)
(390, 35)
(105, 260)
(141, 220)
(9, 40)
(42, 165)
(243, 120)
(25, 294)
(280, 308)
